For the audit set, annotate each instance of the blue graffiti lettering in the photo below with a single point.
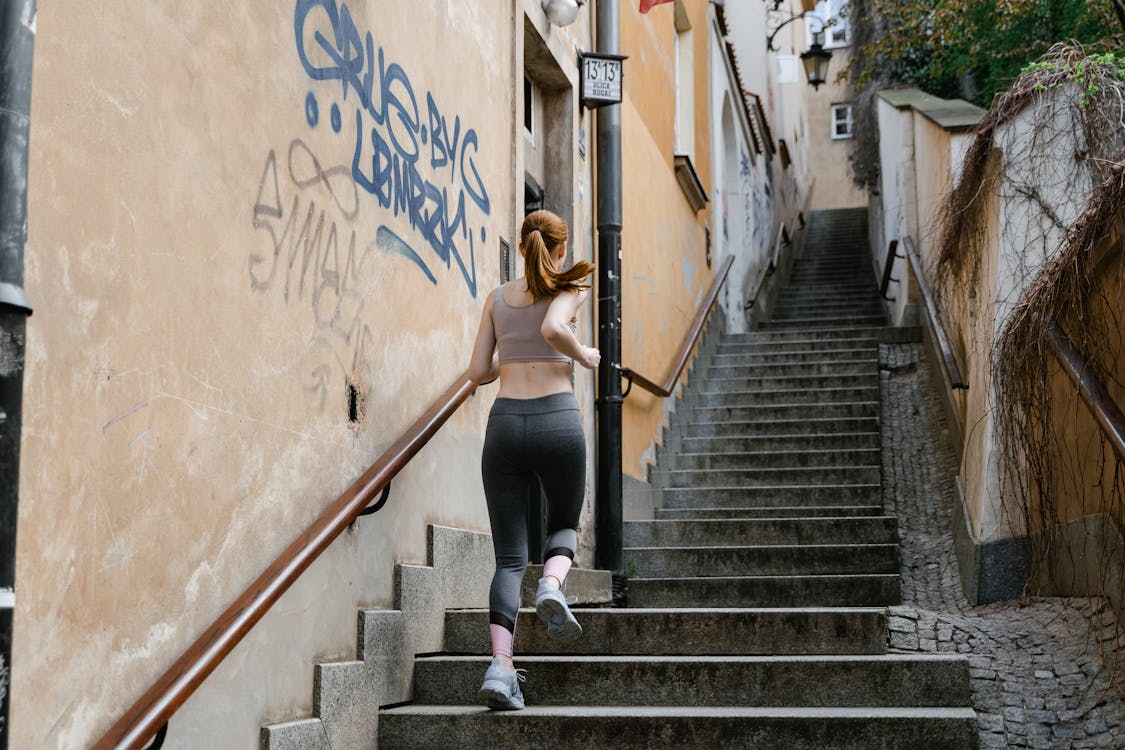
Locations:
(390, 130)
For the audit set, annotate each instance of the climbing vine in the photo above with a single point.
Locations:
(1052, 148)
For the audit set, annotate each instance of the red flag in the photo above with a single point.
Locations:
(647, 5)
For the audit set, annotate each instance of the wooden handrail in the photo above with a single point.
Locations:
(1104, 409)
(146, 717)
(672, 376)
(948, 361)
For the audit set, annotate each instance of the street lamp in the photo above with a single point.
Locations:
(561, 12)
(816, 61)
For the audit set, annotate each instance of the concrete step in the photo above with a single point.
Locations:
(786, 411)
(855, 590)
(808, 530)
(856, 441)
(790, 392)
(611, 680)
(854, 321)
(638, 728)
(779, 496)
(723, 374)
(775, 477)
(817, 356)
(781, 459)
(827, 292)
(792, 310)
(762, 428)
(817, 339)
(798, 511)
(635, 631)
(844, 286)
(865, 377)
(835, 309)
(811, 288)
(762, 560)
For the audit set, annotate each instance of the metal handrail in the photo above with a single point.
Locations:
(775, 257)
(768, 269)
(948, 361)
(672, 376)
(1104, 409)
(888, 268)
(150, 714)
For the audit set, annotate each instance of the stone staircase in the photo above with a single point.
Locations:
(756, 613)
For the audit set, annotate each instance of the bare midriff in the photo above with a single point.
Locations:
(533, 379)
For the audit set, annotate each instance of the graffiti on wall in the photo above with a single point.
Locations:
(314, 257)
(403, 158)
(757, 213)
(410, 156)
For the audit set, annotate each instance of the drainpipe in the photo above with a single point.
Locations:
(17, 39)
(608, 516)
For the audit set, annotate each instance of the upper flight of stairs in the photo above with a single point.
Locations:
(756, 613)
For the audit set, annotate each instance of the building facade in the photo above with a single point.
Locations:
(259, 240)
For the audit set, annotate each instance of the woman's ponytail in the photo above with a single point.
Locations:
(542, 232)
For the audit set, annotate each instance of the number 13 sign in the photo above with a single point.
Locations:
(601, 79)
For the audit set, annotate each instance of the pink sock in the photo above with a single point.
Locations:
(557, 567)
(501, 640)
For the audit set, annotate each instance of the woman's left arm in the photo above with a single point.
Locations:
(483, 367)
(556, 329)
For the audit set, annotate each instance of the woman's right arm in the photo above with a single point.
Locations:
(482, 365)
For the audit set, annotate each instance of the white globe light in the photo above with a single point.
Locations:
(561, 12)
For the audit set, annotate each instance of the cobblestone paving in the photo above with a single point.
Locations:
(1036, 667)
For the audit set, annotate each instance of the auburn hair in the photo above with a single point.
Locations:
(542, 233)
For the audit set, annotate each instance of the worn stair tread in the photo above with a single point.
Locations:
(803, 712)
(790, 392)
(763, 512)
(839, 577)
(771, 560)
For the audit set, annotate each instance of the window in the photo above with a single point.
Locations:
(685, 84)
(835, 13)
(841, 121)
(529, 108)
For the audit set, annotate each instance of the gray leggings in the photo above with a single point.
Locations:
(530, 440)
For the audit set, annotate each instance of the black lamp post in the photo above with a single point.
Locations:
(816, 61)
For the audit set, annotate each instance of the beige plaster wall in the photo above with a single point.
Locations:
(209, 279)
(663, 256)
(828, 158)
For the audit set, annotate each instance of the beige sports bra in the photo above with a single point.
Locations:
(517, 331)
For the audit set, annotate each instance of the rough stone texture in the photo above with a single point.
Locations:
(585, 585)
(347, 695)
(1036, 667)
(306, 734)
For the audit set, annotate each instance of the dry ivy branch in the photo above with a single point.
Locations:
(1070, 104)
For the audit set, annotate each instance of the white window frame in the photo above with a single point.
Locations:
(849, 120)
(685, 84)
(825, 10)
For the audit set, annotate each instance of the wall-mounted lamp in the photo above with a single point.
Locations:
(816, 59)
(561, 12)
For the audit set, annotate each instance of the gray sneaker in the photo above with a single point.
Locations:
(551, 608)
(501, 688)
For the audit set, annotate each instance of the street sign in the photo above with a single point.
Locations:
(601, 81)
